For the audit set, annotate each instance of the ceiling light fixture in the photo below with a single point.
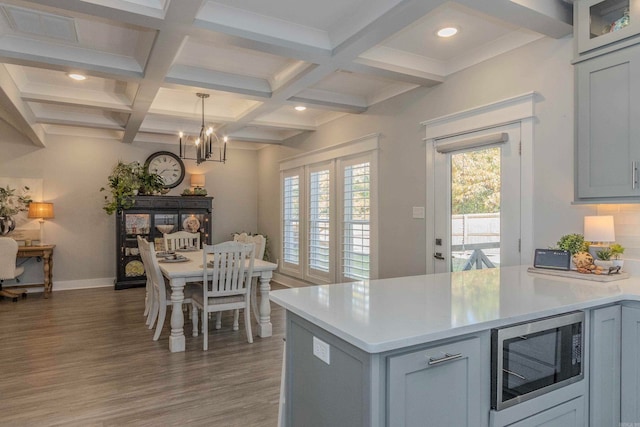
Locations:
(300, 108)
(76, 76)
(447, 32)
(203, 144)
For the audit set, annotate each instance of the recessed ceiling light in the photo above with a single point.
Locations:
(300, 108)
(76, 76)
(447, 32)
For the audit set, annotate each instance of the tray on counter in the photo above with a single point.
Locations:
(575, 275)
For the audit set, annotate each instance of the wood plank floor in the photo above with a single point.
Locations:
(86, 358)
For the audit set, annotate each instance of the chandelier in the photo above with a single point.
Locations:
(204, 143)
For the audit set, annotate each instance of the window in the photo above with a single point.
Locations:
(328, 214)
(291, 225)
(356, 226)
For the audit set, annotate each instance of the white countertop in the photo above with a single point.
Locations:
(382, 315)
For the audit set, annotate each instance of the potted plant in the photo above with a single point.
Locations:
(604, 258)
(10, 204)
(124, 184)
(150, 183)
(574, 243)
(617, 250)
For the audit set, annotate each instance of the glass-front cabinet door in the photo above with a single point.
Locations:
(135, 224)
(601, 22)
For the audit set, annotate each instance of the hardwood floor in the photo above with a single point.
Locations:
(86, 358)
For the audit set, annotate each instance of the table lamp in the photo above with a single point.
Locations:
(197, 180)
(599, 231)
(42, 211)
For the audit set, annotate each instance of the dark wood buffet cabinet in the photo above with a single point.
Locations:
(151, 217)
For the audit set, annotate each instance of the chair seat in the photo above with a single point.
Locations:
(197, 298)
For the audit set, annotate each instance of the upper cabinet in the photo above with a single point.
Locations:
(601, 23)
(608, 127)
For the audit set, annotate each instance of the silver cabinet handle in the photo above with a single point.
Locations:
(447, 357)
(634, 174)
(515, 374)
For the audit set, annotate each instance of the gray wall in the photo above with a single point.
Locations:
(543, 66)
(74, 169)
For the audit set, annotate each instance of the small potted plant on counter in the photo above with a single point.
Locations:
(604, 258)
(617, 250)
(577, 247)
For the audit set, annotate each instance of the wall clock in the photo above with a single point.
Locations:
(168, 165)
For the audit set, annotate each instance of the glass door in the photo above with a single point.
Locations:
(477, 215)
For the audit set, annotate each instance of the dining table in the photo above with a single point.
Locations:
(180, 273)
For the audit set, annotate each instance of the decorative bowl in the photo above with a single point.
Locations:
(165, 228)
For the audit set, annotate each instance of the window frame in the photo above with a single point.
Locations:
(336, 158)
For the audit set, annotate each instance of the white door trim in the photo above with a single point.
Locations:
(511, 110)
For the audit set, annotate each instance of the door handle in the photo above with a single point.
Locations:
(447, 357)
(438, 255)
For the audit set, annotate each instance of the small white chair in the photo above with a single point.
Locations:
(148, 297)
(159, 303)
(260, 243)
(8, 269)
(227, 283)
(181, 239)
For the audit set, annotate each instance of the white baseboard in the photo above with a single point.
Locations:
(68, 285)
(289, 281)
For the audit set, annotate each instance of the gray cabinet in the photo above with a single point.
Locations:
(604, 366)
(630, 382)
(438, 386)
(568, 414)
(600, 24)
(608, 127)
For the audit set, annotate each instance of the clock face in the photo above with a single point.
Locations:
(168, 165)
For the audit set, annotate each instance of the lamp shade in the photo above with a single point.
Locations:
(40, 210)
(197, 180)
(599, 229)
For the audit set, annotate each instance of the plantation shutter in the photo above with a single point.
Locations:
(356, 226)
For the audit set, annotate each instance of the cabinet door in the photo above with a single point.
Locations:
(437, 387)
(601, 22)
(604, 367)
(568, 414)
(608, 107)
(630, 382)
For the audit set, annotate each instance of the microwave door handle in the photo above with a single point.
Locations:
(515, 374)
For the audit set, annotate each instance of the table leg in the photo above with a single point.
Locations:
(177, 340)
(265, 329)
(47, 265)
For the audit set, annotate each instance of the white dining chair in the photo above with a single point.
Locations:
(226, 283)
(148, 297)
(158, 309)
(8, 268)
(260, 243)
(181, 240)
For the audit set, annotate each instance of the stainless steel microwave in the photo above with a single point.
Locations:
(533, 358)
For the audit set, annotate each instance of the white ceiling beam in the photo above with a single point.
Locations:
(168, 43)
(393, 72)
(74, 102)
(19, 115)
(217, 80)
(545, 20)
(69, 58)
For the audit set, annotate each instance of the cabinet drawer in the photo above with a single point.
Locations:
(441, 384)
(189, 203)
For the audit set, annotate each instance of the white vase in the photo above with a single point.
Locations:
(603, 264)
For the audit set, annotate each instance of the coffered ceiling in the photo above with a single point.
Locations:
(145, 60)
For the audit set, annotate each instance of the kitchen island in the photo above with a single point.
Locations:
(372, 332)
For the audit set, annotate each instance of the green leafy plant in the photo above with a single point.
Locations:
(616, 250)
(12, 203)
(125, 182)
(573, 243)
(604, 254)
